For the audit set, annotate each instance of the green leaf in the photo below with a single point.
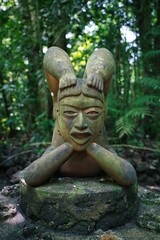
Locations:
(124, 126)
(153, 83)
(152, 53)
(138, 112)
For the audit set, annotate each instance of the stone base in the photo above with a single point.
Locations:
(80, 205)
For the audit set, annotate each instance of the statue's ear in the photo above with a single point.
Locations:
(107, 85)
(52, 81)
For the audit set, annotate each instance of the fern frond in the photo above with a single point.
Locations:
(153, 83)
(124, 126)
(152, 54)
(145, 99)
(138, 112)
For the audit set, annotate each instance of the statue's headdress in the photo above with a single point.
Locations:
(97, 76)
(80, 87)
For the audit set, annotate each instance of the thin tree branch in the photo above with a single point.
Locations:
(136, 147)
(15, 155)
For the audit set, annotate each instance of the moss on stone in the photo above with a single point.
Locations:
(79, 205)
(149, 212)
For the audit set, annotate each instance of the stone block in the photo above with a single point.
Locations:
(79, 205)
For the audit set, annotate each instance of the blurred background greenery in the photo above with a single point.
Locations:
(130, 29)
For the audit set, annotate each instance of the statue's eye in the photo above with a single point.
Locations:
(70, 113)
(92, 113)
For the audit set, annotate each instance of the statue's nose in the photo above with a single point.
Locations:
(81, 122)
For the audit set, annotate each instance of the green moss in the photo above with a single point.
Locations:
(150, 198)
(150, 221)
(80, 204)
(150, 211)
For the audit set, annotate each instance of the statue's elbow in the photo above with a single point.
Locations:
(132, 177)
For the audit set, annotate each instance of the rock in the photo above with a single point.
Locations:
(11, 191)
(20, 228)
(149, 211)
(7, 211)
(109, 235)
(142, 166)
(142, 177)
(79, 205)
(10, 218)
(150, 180)
(133, 232)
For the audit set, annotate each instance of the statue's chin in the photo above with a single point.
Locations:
(79, 142)
(79, 147)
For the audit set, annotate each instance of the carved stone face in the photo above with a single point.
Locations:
(80, 119)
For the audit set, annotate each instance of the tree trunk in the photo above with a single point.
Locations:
(33, 49)
(142, 11)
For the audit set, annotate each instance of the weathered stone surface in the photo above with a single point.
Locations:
(19, 228)
(8, 210)
(79, 205)
(149, 211)
(79, 144)
(11, 220)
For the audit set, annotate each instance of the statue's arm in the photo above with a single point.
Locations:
(99, 69)
(42, 169)
(58, 69)
(117, 168)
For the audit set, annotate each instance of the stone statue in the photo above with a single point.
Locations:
(79, 145)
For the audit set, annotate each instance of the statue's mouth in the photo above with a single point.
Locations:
(80, 137)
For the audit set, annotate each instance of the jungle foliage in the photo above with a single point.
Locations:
(130, 29)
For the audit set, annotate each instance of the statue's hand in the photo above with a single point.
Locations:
(95, 80)
(92, 147)
(67, 80)
(69, 147)
(42, 169)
